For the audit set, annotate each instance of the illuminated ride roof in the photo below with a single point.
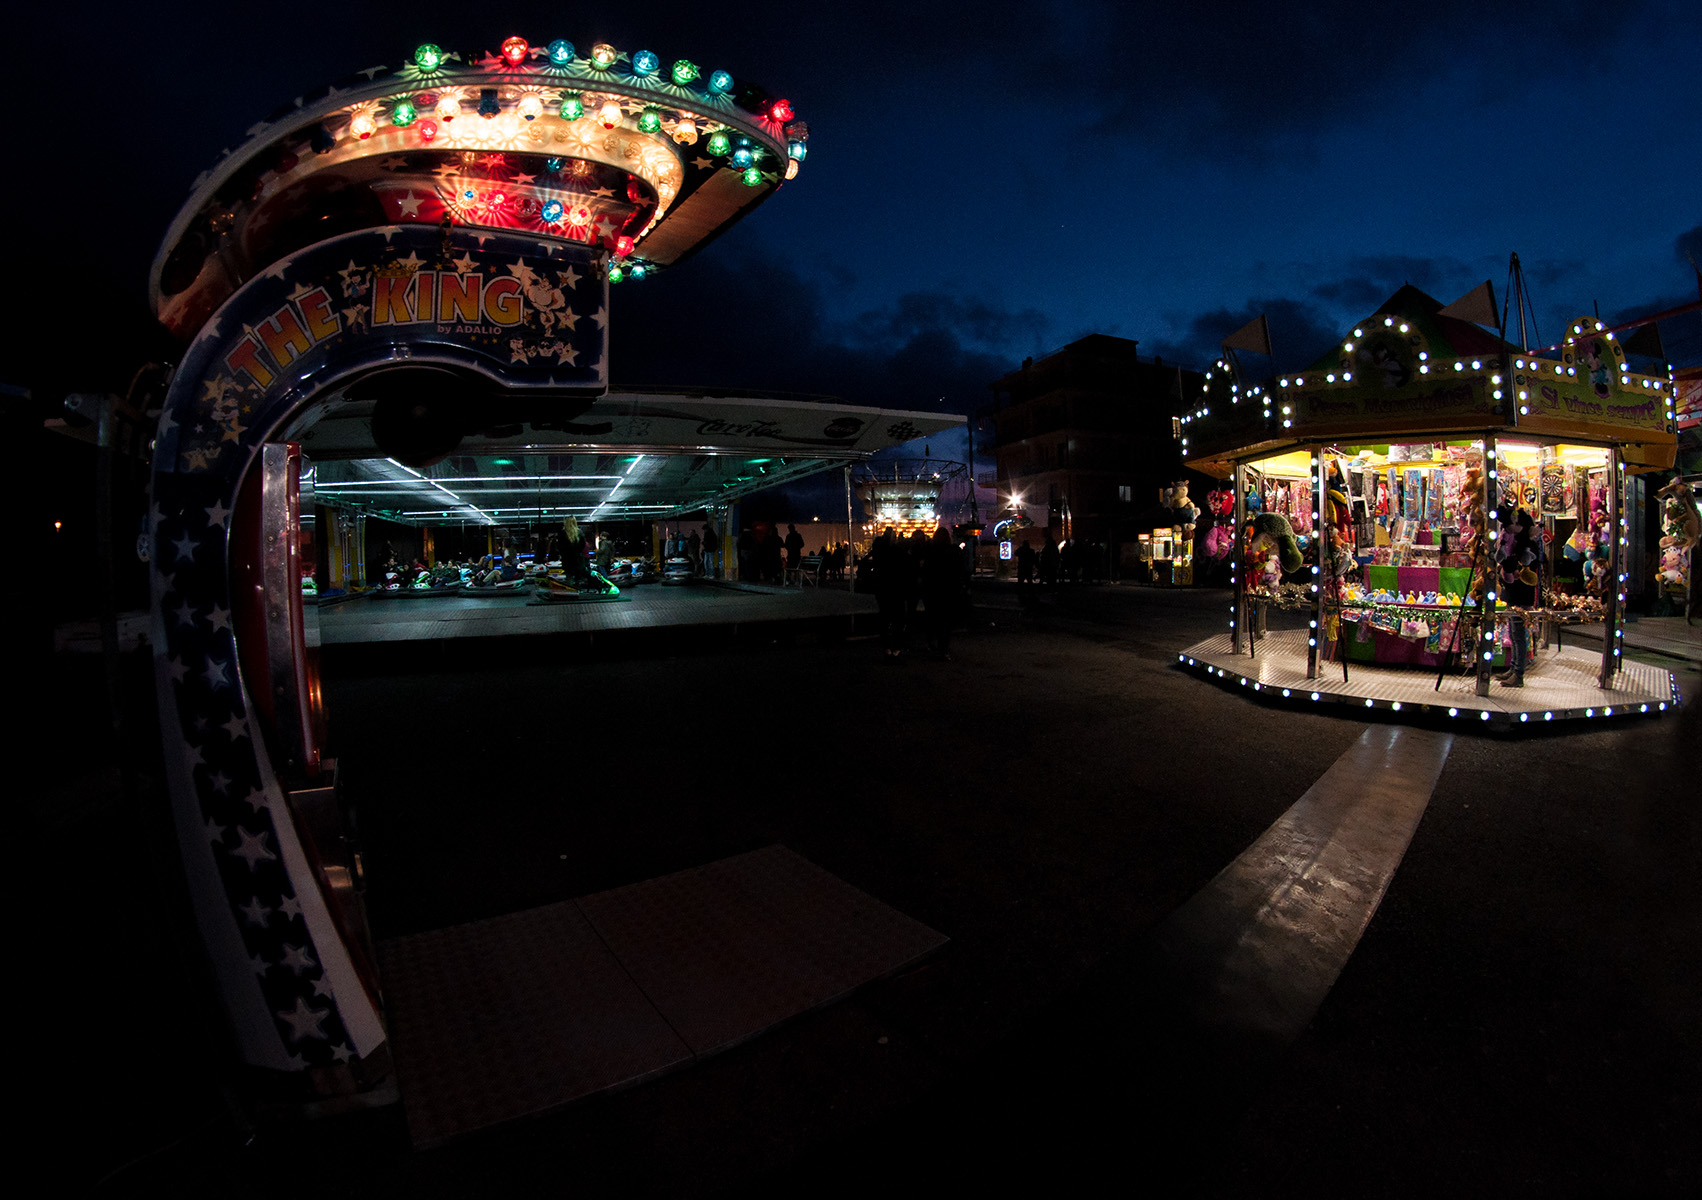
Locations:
(629, 456)
(616, 151)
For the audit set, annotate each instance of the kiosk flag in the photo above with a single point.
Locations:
(1255, 335)
(1477, 306)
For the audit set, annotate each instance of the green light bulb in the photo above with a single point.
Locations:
(650, 120)
(719, 144)
(685, 71)
(428, 57)
(752, 176)
(402, 113)
(572, 106)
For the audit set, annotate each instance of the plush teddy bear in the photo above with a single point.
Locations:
(1183, 511)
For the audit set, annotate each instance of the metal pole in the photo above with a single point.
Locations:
(1615, 596)
(851, 537)
(1237, 565)
(1486, 589)
(1317, 629)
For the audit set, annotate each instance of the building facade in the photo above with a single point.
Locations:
(1085, 438)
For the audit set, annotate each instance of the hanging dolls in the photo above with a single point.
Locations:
(1338, 518)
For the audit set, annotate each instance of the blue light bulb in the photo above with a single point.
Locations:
(561, 52)
(720, 83)
(645, 63)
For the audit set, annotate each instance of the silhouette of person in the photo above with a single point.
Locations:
(943, 581)
(1024, 564)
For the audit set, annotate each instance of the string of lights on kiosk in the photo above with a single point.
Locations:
(1388, 486)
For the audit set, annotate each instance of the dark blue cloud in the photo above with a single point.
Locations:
(756, 323)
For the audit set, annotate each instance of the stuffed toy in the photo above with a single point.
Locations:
(1220, 540)
(1516, 550)
(1267, 531)
(1220, 502)
(1183, 511)
(1253, 500)
(1678, 510)
(1471, 506)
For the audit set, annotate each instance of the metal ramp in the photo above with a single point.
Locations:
(519, 1014)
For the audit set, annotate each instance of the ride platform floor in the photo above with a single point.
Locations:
(1560, 685)
(374, 619)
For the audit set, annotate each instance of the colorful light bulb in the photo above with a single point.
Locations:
(428, 130)
(609, 115)
(797, 150)
(428, 57)
(616, 274)
(623, 246)
(685, 71)
(579, 218)
(403, 113)
(639, 270)
(603, 56)
(720, 83)
(719, 143)
(650, 120)
(752, 176)
(561, 52)
(531, 107)
(572, 106)
(514, 51)
(552, 211)
(362, 125)
(685, 131)
(791, 168)
(645, 63)
(781, 110)
(744, 156)
(448, 108)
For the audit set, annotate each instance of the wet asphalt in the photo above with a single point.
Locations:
(1519, 1018)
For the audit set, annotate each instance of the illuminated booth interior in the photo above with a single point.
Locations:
(1382, 493)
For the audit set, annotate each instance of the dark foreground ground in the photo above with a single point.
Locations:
(1520, 1018)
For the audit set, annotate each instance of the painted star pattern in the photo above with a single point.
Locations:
(220, 781)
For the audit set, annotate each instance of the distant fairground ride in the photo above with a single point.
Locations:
(904, 494)
(423, 253)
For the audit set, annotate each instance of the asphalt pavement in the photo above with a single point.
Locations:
(1517, 1018)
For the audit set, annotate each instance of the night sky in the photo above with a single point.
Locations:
(985, 182)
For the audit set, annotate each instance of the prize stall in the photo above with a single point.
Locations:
(1439, 504)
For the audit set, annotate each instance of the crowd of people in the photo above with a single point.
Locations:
(919, 572)
(767, 557)
(1054, 563)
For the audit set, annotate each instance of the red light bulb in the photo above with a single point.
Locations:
(623, 246)
(515, 50)
(428, 129)
(781, 111)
